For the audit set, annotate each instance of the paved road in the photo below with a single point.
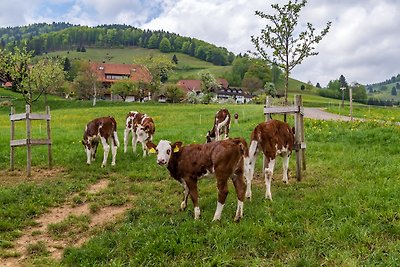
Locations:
(320, 114)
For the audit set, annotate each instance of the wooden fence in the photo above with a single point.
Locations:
(299, 146)
(28, 141)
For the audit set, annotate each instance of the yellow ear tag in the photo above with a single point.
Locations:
(176, 149)
(152, 150)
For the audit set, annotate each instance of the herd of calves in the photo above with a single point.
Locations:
(224, 157)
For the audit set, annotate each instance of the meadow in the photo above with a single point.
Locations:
(345, 211)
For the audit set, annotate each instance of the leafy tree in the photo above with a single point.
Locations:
(153, 41)
(159, 67)
(165, 45)
(270, 89)
(124, 88)
(288, 50)
(318, 85)
(208, 82)
(14, 67)
(302, 87)
(173, 92)
(208, 86)
(252, 83)
(31, 80)
(359, 93)
(46, 76)
(276, 74)
(86, 83)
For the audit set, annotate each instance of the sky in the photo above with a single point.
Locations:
(362, 43)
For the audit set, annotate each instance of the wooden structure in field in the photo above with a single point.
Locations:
(299, 144)
(29, 141)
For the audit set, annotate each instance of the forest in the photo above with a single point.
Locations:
(42, 38)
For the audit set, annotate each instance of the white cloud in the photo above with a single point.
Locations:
(362, 43)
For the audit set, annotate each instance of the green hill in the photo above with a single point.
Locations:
(188, 67)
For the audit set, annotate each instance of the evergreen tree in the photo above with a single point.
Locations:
(394, 91)
(175, 59)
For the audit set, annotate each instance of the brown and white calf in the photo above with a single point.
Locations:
(187, 164)
(142, 128)
(274, 138)
(101, 129)
(221, 126)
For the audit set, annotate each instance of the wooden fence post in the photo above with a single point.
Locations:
(297, 136)
(299, 145)
(49, 137)
(28, 140)
(12, 137)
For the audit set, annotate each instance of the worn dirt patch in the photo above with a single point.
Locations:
(8, 177)
(40, 233)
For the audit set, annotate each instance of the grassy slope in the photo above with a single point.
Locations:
(187, 67)
(344, 212)
(386, 94)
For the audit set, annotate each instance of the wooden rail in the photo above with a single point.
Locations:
(28, 141)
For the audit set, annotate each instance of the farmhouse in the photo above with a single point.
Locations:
(222, 93)
(236, 94)
(109, 73)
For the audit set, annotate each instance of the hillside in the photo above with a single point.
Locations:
(383, 90)
(187, 68)
(121, 43)
(44, 38)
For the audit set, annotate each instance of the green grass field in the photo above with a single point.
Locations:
(344, 212)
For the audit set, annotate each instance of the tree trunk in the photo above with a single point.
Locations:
(94, 95)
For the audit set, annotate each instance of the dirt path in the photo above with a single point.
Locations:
(320, 114)
(40, 233)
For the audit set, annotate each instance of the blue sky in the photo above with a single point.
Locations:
(362, 44)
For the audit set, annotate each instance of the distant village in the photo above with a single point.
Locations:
(109, 73)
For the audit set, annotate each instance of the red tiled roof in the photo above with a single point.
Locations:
(190, 85)
(134, 71)
(224, 83)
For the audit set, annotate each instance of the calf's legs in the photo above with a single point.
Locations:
(269, 171)
(240, 187)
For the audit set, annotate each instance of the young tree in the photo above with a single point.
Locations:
(32, 80)
(46, 76)
(208, 85)
(278, 38)
(86, 83)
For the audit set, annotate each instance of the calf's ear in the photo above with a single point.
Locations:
(151, 147)
(176, 146)
(83, 142)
